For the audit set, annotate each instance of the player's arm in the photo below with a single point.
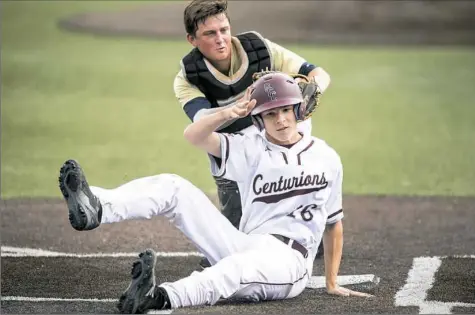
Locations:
(201, 133)
(333, 244)
(333, 237)
(321, 77)
(194, 102)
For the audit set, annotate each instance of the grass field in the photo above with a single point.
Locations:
(402, 119)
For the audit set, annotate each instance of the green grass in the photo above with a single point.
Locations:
(402, 119)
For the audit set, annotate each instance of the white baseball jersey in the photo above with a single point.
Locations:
(288, 191)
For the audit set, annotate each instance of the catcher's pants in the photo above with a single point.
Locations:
(230, 200)
(250, 267)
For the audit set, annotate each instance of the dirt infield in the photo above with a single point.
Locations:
(316, 22)
(48, 267)
(38, 223)
(383, 236)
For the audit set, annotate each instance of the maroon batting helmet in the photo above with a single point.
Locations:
(275, 90)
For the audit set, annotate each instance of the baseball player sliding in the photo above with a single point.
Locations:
(292, 197)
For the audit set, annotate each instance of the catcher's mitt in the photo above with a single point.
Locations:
(309, 88)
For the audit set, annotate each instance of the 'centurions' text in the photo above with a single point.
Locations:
(259, 186)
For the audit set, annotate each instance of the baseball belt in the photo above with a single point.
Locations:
(293, 244)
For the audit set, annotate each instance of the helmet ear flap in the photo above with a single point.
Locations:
(299, 111)
(258, 122)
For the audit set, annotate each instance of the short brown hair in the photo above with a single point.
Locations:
(197, 11)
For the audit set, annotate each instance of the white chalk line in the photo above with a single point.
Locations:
(319, 282)
(420, 279)
(42, 299)
(8, 251)
(448, 256)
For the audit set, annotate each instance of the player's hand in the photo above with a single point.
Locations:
(341, 291)
(243, 107)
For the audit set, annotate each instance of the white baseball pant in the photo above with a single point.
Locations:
(249, 267)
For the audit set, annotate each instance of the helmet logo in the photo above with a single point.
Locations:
(270, 91)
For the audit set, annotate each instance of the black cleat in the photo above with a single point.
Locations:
(143, 294)
(85, 210)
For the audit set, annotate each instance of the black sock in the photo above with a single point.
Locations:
(159, 301)
(162, 299)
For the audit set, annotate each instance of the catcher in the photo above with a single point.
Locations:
(219, 69)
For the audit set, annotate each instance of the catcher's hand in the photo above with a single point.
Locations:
(310, 90)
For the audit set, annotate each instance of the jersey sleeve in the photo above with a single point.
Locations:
(283, 59)
(184, 90)
(192, 100)
(235, 157)
(334, 204)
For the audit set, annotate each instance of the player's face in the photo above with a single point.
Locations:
(213, 38)
(281, 125)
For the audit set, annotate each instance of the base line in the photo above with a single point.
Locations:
(8, 251)
(40, 299)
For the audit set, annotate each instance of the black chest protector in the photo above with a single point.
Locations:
(199, 75)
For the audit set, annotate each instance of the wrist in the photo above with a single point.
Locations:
(323, 81)
(330, 285)
(330, 279)
(226, 114)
